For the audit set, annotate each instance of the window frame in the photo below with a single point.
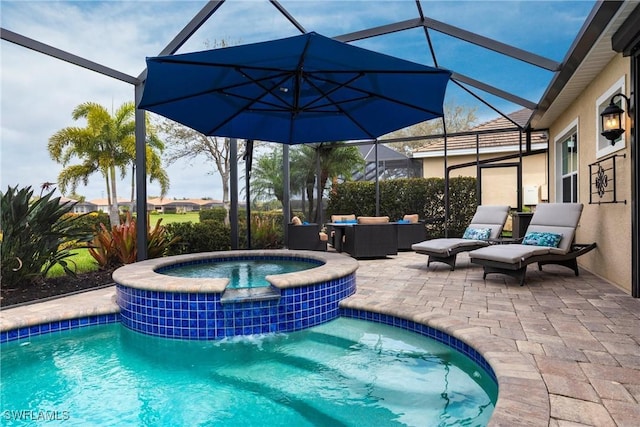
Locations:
(567, 132)
(603, 145)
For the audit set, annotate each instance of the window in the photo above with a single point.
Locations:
(603, 145)
(567, 165)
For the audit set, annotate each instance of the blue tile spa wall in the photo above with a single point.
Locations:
(57, 326)
(202, 316)
(423, 330)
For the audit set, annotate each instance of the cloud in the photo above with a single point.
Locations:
(39, 93)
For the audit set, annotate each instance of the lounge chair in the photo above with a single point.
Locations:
(491, 218)
(549, 240)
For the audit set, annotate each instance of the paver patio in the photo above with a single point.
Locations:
(566, 349)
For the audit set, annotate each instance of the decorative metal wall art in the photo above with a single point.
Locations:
(603, 181)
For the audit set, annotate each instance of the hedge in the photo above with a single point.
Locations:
(424, 196)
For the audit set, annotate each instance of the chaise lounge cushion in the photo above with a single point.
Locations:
(446, 246)
(511, 254)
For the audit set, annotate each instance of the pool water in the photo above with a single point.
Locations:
(241, 273)
(343, 373)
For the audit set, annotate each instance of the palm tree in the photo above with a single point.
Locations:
(105, 145)
(336, 160)
(267, 178)
(154, 149)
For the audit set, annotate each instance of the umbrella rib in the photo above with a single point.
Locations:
(251, 100)
(225, 89)
(377, 95)
(337, 86)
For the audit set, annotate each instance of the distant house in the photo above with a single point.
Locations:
(165, 205)
(103, 204)
(391, 164)
(502, 139)
(80, 207)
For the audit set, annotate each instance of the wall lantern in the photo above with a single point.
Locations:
(612, 117)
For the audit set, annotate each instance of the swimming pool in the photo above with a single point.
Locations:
(346, 372)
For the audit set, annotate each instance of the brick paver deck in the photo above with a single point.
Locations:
(566, 349)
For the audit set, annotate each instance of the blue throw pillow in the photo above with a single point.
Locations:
(477, 233)
(403, 221)
(536, 238)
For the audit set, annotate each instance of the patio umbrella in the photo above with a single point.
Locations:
(301, 89)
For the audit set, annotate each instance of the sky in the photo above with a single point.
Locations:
(38, 93)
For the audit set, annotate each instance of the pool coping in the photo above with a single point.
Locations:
(144, 275)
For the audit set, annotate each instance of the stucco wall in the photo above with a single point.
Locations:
(499, 185)
(607, 224)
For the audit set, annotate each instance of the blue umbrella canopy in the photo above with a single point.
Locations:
(301, 89)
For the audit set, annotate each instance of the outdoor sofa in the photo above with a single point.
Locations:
(371, 237)
(549, 240)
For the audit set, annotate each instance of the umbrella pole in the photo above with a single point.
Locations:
(319, 198)
(446, 182)
(233, 209)
(286, 214)
(375, 146)
(248, 159)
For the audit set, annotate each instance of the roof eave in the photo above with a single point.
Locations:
(590, 35)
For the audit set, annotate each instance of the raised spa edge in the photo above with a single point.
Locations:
(203, 309)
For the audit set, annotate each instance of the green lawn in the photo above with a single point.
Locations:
(171, 218)
(83, 261)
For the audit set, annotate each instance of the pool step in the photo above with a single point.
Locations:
(239, 295)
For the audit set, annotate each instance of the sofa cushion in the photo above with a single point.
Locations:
(343, 218)
(412, 218)
(296, 221)
(373, 219)
(476, 233)
(536, 238)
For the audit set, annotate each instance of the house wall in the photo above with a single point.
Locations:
(499, 185)
(609, 225)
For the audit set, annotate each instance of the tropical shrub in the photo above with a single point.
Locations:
(36, 235)
(101, 248)
(119, 245)
(91, 220)
(215, 214)
(267, 230)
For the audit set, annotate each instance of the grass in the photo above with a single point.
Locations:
(170, 218)
(83, 260)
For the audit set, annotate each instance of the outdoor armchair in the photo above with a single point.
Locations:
(410, 230)
(487, 223)
(308, 237)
